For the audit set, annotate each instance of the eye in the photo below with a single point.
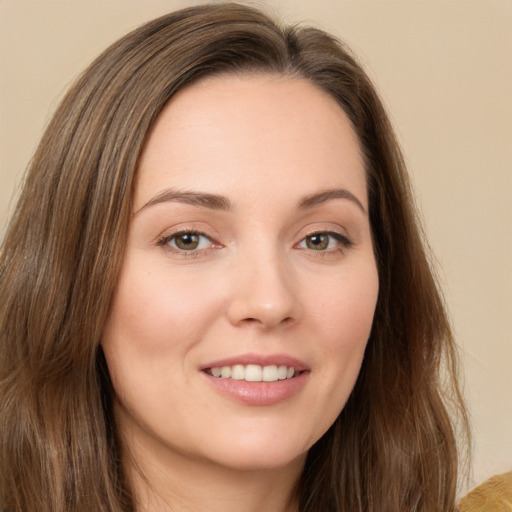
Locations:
(186, 241)
(324, 241)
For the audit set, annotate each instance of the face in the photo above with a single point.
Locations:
(248, 287)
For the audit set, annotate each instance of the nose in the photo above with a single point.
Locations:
(263, 293)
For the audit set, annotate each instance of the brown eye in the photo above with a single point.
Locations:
(187, 241)
(325, 241)
(318, 241)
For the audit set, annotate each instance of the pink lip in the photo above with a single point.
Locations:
(258, 393)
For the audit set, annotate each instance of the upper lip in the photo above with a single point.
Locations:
(259, 359)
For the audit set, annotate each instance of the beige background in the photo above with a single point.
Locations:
(445, 71)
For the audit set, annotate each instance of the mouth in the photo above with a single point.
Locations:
(254, 379)
(254, 372)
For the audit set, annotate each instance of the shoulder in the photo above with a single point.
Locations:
(493, 495)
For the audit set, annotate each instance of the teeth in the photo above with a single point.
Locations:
(282, 372)
(238, 372)
(253, 372)
(269, 373)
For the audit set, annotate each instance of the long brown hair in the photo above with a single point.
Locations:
(393, 447)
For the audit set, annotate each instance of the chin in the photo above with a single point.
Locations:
(249, 460)
(258, 451)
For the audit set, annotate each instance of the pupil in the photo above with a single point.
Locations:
(318, 242)
(187, 241)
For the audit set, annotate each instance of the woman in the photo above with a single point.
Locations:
(215, 291)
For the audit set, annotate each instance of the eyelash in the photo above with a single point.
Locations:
(342, 241)
(339, 238)
(165, 241)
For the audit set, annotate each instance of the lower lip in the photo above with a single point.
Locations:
(258, 393)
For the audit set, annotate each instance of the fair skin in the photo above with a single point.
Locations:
(250, 251)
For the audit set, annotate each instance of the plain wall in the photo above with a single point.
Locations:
(444, 69)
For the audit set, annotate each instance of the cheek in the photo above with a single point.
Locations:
(155, 314)
(154, 324)
(343, 311)
(344, 306)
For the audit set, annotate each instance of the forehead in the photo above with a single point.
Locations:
(252, 132)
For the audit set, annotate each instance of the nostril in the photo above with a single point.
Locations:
(263, 305)
(251, 320)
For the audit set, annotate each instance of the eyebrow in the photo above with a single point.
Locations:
(218, 202)
(326, 195)
(211, 201)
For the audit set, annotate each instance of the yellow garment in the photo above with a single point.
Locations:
(494, 495)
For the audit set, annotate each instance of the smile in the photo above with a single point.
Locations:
(257, 379)
(253, 372)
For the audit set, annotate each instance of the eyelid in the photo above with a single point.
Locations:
(163, 241)
(326, 228)
(176, 237)
(344, 241)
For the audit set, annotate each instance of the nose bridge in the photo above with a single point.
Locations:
(263, 287)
